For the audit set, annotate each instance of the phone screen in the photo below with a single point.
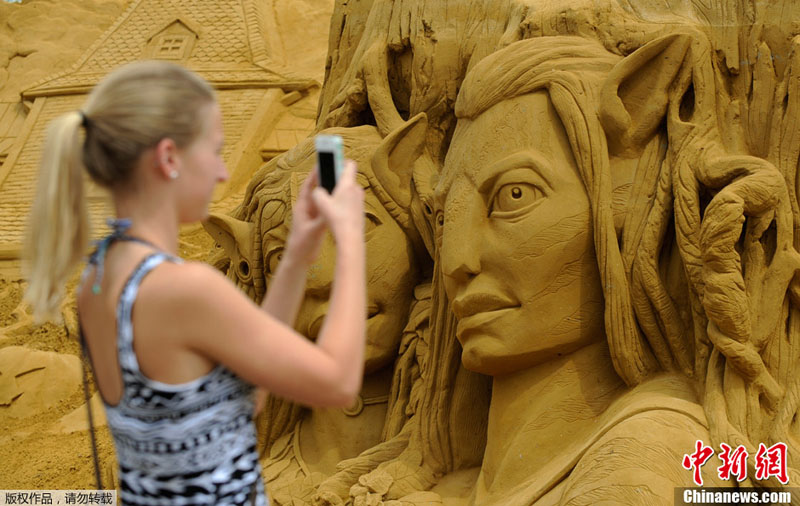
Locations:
(327, 175)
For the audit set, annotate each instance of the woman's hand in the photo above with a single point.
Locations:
(343, 210)
(259, 401)
(308, 225)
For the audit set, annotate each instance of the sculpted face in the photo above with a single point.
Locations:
(516, 239)
(391, 274)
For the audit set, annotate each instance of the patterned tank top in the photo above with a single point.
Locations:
(181, 444)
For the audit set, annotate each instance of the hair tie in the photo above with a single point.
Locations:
(84, 119)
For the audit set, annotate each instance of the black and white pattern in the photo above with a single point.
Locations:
(192, 443)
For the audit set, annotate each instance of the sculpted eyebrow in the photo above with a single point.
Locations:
(362, 180)
(490, 173)
(277, 233)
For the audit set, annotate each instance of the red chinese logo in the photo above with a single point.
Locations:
(771, 462)
(733, 463)
(696, 460)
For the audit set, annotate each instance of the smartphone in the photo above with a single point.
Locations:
(330, 159)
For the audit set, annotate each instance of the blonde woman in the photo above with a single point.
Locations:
(177, 374)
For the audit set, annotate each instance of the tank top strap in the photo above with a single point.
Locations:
(127, 358)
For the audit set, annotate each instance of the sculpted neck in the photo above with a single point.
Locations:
(328, 436)
(536, 412)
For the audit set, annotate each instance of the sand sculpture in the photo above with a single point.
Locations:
(612, 205)
(229, 51)
(584, 249)
(541, 202)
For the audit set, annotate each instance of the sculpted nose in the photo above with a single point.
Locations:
(461, 243)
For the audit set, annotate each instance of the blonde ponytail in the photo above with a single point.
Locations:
(58, 229)
(129, 112)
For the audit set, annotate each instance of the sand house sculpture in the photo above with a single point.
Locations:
(228, 43)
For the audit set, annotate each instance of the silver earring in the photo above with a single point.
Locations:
(174, 174)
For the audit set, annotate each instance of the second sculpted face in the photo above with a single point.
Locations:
(516, 239)
(391, 275)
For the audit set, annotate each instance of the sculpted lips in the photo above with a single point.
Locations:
(473, 304)
(476, 311)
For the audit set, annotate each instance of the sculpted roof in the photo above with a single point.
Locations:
(225, 41)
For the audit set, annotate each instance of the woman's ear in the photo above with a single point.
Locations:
(166, 158)
(393, 161)
(634, 98)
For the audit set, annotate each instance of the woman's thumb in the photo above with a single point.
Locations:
(323, 201)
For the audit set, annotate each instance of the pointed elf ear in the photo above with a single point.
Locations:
(235, 236)
(634, 99)
(393, 161)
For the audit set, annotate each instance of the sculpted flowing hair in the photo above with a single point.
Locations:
(129, 112)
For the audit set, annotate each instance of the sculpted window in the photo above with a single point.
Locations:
(172, 47)
(172, 41)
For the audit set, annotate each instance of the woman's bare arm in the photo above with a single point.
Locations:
(221, 323)
(285, 293)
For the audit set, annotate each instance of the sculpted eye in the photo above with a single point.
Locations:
(438, 228)
(273, 259)
(514, 197)
(371, 222)
(243, 269)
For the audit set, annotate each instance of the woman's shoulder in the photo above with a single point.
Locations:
(189, 269)
(193, 295)
(196, 281)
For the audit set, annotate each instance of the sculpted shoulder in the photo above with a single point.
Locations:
(639, 460)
